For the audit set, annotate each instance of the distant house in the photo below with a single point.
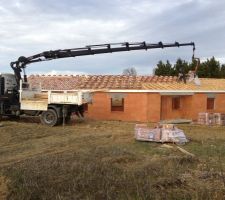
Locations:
(141, 98)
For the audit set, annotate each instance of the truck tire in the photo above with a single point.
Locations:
(49, 117)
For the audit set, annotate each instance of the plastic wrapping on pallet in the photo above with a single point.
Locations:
(205, 118)
(219, 118)
(211, 119)
(164, 133)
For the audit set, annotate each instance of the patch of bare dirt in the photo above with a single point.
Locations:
(3, 187)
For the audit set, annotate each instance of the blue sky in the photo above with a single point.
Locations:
(28, 27)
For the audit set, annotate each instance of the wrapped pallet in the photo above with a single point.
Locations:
(211, 119)
(202, 118)
(222, 121)
(174, 135)
(143, 133)
(163, 133)
(206, 119)
(219, 118)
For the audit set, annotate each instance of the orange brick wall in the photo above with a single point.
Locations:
(198, 104)
(151, 107)
(184, 112)
(154, 107)
(220, 103)
(135, 105)
(191, 106)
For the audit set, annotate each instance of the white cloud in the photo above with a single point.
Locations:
(57, 72)
(32, 26)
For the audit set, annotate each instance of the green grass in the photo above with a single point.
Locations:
(102, 160)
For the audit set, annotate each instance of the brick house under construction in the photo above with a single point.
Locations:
(141, 98)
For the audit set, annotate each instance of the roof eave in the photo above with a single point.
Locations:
(143, 91)
(171, 91)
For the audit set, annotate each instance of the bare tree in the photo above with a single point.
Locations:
(131, 71)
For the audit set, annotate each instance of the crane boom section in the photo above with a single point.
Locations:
(91, 50)
(22, 61)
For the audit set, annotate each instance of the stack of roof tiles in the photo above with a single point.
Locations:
(71, 82)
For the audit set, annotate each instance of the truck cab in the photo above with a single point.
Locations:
(7, 83)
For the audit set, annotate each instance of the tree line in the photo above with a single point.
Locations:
(211, 68)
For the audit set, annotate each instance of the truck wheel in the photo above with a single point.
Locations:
(49, 117)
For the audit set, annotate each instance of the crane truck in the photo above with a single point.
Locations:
(18, 98)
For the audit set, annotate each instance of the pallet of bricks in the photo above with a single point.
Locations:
(211, 119)
(219, 119)
(162, 133)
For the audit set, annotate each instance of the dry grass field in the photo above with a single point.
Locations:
(101, 160)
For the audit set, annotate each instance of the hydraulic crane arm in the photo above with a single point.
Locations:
(22, 61)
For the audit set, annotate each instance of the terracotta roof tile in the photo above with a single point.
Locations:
(206, 84)
(71, 82)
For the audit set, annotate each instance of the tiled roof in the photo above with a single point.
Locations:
(96, 81)
(210, 84)
(122, 82)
